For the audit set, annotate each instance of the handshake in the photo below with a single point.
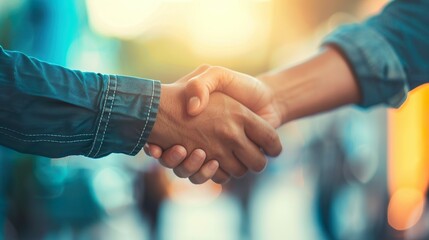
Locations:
(215, 123)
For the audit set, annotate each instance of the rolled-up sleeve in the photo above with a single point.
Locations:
(53, 111)
(126, 116)
(389, 53)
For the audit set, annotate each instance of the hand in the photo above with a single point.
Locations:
(226, 130)
(256, 95)
(321, 83)
(193, 166)
(200, 84)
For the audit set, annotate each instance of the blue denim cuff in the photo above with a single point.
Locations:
(375, 64)
(127, 115)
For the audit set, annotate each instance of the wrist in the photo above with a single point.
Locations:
(274, 83)
(170, 112)
(322, 83)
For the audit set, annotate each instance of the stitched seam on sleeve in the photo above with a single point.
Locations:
(108, 117)
(147, 118)
(46, 140)
(101, 117)
(44, 134)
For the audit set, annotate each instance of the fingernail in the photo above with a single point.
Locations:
(194, 103)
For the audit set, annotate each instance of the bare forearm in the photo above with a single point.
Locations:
(321, 83)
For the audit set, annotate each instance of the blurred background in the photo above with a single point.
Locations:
(348, 174)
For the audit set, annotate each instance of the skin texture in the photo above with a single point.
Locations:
(321, 83)
(226, 130)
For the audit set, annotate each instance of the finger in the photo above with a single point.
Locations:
(191, 165)
(232, 165)
(234, 84)
(262, 134)
(146, 149)
(221, 177)
(173, 156)
(198, 93)
(194, 73)
(154, 150)
(207, 171)
(250, 155)
(198, 89)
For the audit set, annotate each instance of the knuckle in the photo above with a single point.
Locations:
(222, 129)
(204, 66)
(219, 72)
(193, 84)
(228, 133)
(215, 69)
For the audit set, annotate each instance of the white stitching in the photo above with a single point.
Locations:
(108, 117)
(43, 134)
(47, 140)
(147, 118)
(101, 117)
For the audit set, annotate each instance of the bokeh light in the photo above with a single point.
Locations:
(228, 28)
(408, 159)
(123, 19)
(405, 208)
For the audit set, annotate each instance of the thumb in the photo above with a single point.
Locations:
(198, 90)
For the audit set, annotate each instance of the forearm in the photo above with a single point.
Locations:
(389, 52)
(319, 84)
(54, 111)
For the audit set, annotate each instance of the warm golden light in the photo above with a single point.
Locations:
(408, 159)
(122, 19)
(227, 28)
(405, 208)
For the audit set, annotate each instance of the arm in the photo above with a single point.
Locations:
(378, 61)
(52, 111)
(321, 83)
(386, 56)
(388, 53)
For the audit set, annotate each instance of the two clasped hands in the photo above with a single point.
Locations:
(216, 123)
(228, 119)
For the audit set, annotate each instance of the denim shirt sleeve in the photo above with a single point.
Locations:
(52, 111)
(389, 53)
